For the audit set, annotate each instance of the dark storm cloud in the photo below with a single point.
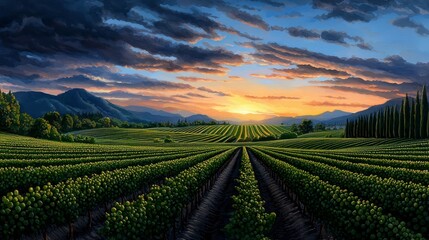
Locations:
(387, 95)
(330, 36)
(375, 88)
(308, 71)
(393, 68)
(230, 10)
(39, 36)
(110, 80)
(344, 38)
(367, 10)
(302, 32)
(335, 37)
(406, 22)
(127, 95)
(121, 94)
(388, 78)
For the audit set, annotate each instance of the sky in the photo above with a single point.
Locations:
(232, 60)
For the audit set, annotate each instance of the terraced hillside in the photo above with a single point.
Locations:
(123, 136)
(238, 133)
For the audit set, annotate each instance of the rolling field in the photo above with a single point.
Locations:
(201, 187)
(123, 136)
(236, 133)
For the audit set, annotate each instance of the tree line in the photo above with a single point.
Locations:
(54, 126)
(410, 120)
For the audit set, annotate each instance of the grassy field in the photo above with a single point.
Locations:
(324, 134)
(58, 188)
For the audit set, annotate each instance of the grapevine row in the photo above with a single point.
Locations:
(249, 219)
(64, 202)
(153, 214)
(21, 178)
(406, 200)
(347, 216)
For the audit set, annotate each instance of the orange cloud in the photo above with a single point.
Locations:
(334, 104)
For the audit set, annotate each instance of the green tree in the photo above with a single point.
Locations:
(401, 120)
(77, 123)
(41, 128)
(105, 122)
(9, 112)
(67, 123)
(417, 117)
(424, 114)
(319, 127)
(406, 116)
(25, 124)
(306, 126)
(53, 118)
(412, 119)
(88, 123)
(54, 134)
(294, 128)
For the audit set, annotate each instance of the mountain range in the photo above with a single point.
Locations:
(315, 118)
(77, 101)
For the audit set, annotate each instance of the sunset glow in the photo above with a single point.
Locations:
(232, 61)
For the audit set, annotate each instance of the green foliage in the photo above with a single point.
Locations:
(84, 139)
(9, 113)
(41, 129)
(249, 219)
(54, 119)
(54, 134)
(288, 135)
(63, 202)
(424, 111)
(67, 123)
(346, 214)
(306, 126)
(151, 215)
(88, 123)
(105, 122)
(319, 127)
(294, 128)
(67, 138)
(409, 122)
(25, 124)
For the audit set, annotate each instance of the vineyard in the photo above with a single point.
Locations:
(236, 133)
(202, 188)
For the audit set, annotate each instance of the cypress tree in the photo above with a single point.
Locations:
(377, 125)
(392, 122)
(406, 117)
(412, 119)
(401, 120)
(417, 117)
(386, 122)
(424, 114)
(397, 121)
(346, 130)
(355, 128)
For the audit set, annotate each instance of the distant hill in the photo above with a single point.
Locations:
(73, 101)
(315, 118)
(77, 101)
(342, 120)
